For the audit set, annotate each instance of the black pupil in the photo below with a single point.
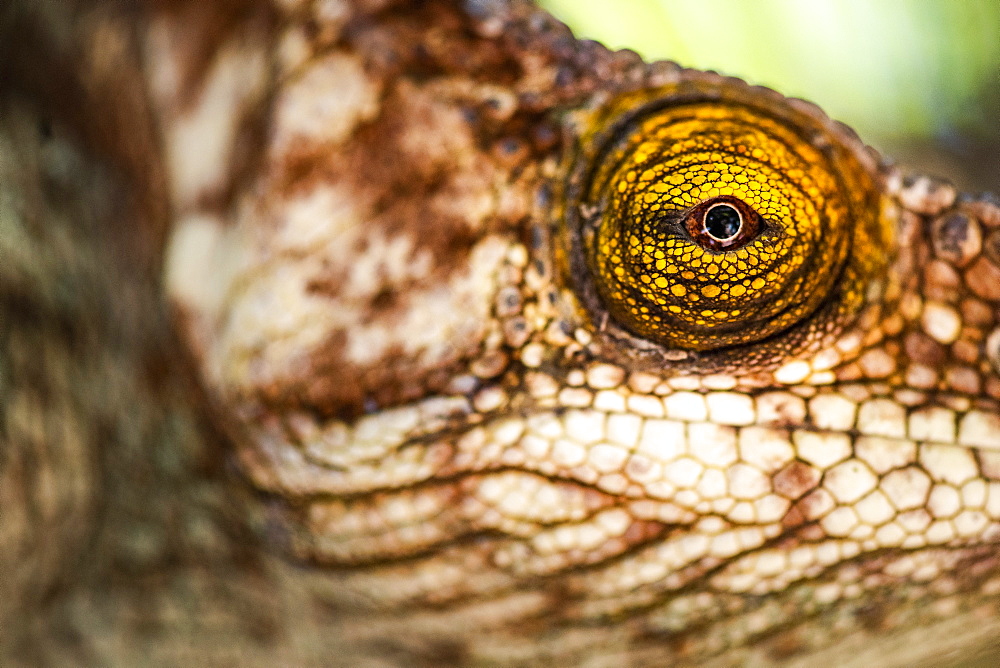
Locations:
(723, 222)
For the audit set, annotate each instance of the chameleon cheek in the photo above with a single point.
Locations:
(708, 223)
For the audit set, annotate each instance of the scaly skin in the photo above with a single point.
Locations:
(371, 271)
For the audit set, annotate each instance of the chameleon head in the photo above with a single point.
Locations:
(678, 389)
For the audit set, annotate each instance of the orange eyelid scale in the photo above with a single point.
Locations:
(703, 219)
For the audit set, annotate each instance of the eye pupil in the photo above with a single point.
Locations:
(723, 222)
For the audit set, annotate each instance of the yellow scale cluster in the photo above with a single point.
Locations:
(660, 283)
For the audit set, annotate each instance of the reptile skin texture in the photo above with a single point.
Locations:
(479, 370)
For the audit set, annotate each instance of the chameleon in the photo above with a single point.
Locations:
(391, 333)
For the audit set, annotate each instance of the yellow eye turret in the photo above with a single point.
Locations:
(707, 221)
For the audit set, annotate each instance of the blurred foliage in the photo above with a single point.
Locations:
(901, 72)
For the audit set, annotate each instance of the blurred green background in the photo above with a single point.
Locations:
(918, 79)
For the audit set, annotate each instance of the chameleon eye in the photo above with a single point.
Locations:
(702, 220)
